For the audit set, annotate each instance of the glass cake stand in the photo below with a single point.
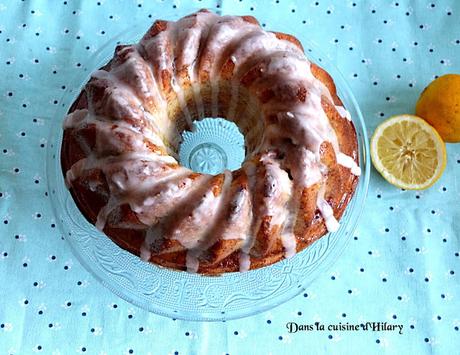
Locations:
(184, 295)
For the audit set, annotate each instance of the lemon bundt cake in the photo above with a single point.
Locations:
(122, 134)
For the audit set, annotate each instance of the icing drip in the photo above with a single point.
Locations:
(207, 211)
(328, 214)
(245, 262)
(343, 112)
(183, 106)
(276, 201)
(128, 176)
(190, 33)
(289, 243)
(250, 169)
(203, 212)
(191, 261)
(307, 125)
(240, 206)
(305, 167)
(223, 33)
(257, 45)
(152, 236)
(75, 118)
(104, 213)
(190, 230)
(348, 162)
(145, 253)
(173, 189)
(110, 137)
(132, 70)
(288, 238)
(277, 191)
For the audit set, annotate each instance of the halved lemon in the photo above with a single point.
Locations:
(408, 152)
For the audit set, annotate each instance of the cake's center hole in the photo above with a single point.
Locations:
(214, 145)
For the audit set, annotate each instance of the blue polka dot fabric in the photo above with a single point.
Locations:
(401, 267)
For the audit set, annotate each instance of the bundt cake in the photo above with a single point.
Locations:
(122, 134)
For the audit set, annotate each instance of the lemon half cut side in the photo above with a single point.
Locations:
(408, 152)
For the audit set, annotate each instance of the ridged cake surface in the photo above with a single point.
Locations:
(122, 135)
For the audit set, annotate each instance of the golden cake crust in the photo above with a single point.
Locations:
(91, 191)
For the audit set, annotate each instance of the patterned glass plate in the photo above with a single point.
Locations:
(213, 145)
(180, 294)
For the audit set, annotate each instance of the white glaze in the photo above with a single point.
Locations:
(183, 105)
(224, 33)
(190, 230)
(343, 112)
(348, 162)
(241, 207)
(279, 191)
(191, 262)
(250, 169)
(305, 167)
(151, 208)
(289, 243)
(207, 211)
(245, 262)
(332, 224)
(152, 236)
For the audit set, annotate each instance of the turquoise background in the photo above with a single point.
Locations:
(401, 267)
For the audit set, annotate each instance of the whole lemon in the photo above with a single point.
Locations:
(439, 105)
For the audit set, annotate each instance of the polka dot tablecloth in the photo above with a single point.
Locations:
(401, 267)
